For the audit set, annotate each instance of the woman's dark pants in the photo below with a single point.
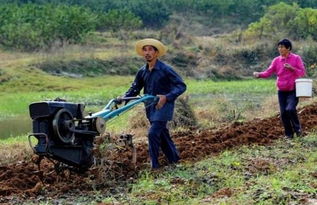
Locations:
(288, 102)
(159, 137)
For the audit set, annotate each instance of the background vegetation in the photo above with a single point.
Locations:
(30, 26)
(38, 25)
(292, 21)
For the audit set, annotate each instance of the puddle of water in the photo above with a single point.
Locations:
(15, 126)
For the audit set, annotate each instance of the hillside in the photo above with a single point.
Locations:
(208, 44)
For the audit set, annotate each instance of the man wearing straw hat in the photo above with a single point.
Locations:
(288, 67)
(158, 79)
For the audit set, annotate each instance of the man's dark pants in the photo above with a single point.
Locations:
(159, 137)
(288, 102)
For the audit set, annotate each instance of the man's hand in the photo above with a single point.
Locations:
(161, 101)
(288, 66)
(256, 74)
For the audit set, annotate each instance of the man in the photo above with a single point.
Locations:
(158, 79)
(288, 67)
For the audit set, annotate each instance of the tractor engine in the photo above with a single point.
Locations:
(63, 133)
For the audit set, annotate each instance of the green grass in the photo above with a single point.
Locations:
(96, 92)
(252, 86)
(21, 139)
(91, 91)
(278, 174)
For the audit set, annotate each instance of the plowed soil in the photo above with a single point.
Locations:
(24, 179)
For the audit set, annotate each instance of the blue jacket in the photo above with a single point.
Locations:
(162, 80)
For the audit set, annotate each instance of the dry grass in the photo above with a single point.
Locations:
(184, 118)
(220, 111)
(268, 108)
(14, 152)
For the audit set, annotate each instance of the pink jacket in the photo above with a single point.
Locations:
(285, 77)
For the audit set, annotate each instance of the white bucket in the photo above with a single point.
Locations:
(304, 87)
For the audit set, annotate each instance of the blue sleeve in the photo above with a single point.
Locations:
(178, 86)
(136, 86)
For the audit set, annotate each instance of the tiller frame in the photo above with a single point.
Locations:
(65, 135)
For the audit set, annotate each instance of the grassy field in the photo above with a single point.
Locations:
(283, 173)
(204, 96)
(98, 91)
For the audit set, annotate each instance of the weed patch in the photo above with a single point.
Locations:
(92, 67)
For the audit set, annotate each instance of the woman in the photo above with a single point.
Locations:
(288, 67)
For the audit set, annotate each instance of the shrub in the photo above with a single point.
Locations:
(285, 20)
(304, 24)
(117, 19)
(185, 62)
(309, 55)
(154, 13)
(158, 11)
(92, 67)
(30, 27)
(184, 116)
(120, 22)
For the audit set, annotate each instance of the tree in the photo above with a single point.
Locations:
(120, 22)
(31, 27)
(154, 13)
(277, 21)
(304, 24)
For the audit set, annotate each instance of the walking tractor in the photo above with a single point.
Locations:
(65, 135)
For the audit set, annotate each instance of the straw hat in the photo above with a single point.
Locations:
(150, 42)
